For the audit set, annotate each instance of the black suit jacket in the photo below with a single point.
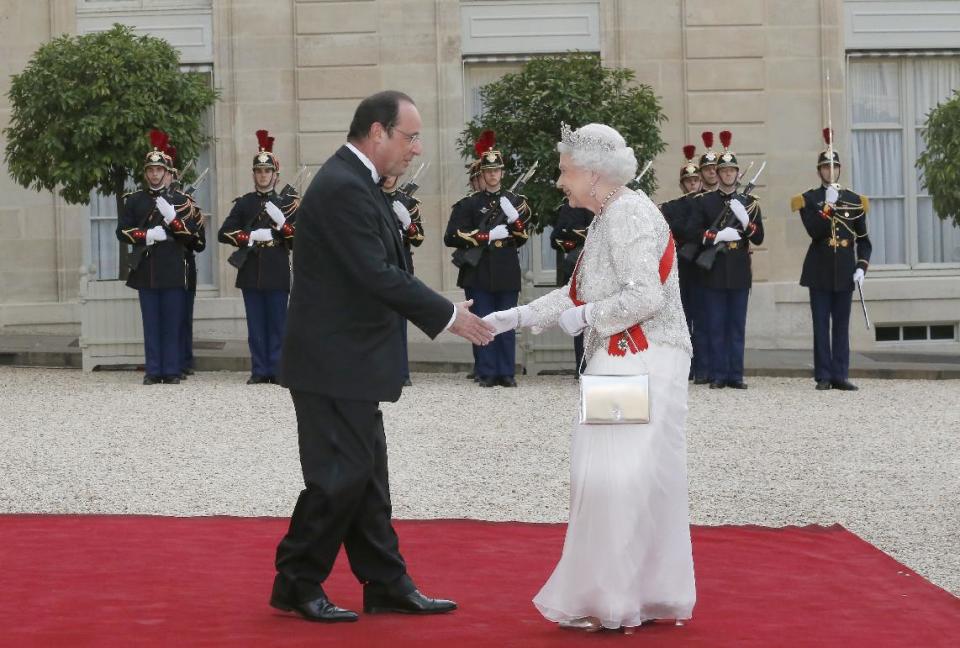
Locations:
(350, 290)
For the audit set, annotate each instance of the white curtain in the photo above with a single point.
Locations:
(935, 80)
(104, 246)
(877, 155)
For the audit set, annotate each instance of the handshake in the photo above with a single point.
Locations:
(573, 320)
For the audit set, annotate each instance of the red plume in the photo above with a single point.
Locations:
(485, 142)
(725, 138)
(827, 136)
(689, 151)
(172, 152)
(263, 139)
(269, 146)
(158, 139)
(707, 137)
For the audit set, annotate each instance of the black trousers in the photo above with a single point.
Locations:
(346, 501)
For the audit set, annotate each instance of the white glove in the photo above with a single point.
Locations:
(402, 214)
(727, 234)
(574, 320)
(509, 210)
(858, 276)
(166, 210)
(275, 214)
(831, 196)
(739, 211)
(156, 234)
(503, 321)
(263, 234)
(497, 233)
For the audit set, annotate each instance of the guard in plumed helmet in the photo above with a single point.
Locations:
(409, 221)
(838, 256)
(732, 221)
(491, 228)
(158, 224)
(688, 234)
(708, 163)
(261, 227)
(457, 222)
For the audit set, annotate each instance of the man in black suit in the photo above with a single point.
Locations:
(342, 355)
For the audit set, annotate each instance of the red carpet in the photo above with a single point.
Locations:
(152, 581)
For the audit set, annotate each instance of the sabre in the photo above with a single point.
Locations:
(830, 130)
(863, 305)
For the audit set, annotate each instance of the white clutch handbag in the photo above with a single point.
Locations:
(612, 400)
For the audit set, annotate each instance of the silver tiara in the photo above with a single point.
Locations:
(576, 140)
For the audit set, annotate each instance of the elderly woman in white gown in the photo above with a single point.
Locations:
(626, 557)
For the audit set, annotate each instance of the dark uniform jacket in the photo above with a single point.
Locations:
(470, 225)
(266, 265)
(687, 230)
(839, 242)
(412, 236)
(351, 292)
(569, 234)
(162, 264)
(731, 270)
(196, 245)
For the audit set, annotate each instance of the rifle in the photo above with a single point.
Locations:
(708, 256)
(410, 186)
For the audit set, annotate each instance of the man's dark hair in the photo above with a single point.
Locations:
(383, 107)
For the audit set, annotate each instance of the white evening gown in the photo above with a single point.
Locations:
(627, 556)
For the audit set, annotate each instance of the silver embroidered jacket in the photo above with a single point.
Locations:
(619, 274)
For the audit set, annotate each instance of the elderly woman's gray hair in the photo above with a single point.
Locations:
(601, 149)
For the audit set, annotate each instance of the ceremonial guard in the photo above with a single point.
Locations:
(456, 221)
(730, 222)
(837, 259)
(261, 226)
(192, 247)
(410, 224)
(687, 235)
(157, 223)
(489, 228)
(708, 164)
(567, 238)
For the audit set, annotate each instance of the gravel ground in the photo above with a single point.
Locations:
(884, 462)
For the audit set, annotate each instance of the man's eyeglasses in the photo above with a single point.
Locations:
(412, 138)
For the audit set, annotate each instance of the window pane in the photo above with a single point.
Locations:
(914, 333)
(934, 81)
(548, 256)
(875, 92)
(942, 332)
(888, 333)
(938, 241)
(878, 172)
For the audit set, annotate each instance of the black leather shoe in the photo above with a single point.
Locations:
(171, 380)
(188, 372)
(471, 376)
(701, 381)
(844, 385)
(152, 380)
(736, 384)
(319, 609)
(507, 381)
(487, 382)
(257, 380)
(183, 375)
(412, 603)
(717, 385)
(823, 385)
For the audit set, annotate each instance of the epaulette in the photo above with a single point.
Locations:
(797, 202)
(866, 203)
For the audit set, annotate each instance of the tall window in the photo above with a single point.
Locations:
(536, 257)
(890, 98)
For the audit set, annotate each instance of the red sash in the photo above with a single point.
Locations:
(633, 339)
